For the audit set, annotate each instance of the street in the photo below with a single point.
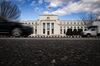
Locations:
(49, 51)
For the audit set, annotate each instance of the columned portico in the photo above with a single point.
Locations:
(48, 28)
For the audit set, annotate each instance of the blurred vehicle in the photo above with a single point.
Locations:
(93, 30)
(15, 29)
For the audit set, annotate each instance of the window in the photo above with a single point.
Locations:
(64, 31)
(43, 28)
(74, 23)
(43, 25)
(67, 22)
(48, 17)
(43, 31)
(48, 26)
(35, 31)
(52, 31)
(78, 27)
(60, 31)
(35, 27)
(74, 27)
(52, 28)
(71, 27)
(48, 33)
(68, 27)
(78, 23)
(81, 27)
(52, 25)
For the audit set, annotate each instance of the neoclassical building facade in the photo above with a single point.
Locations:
(51, 25)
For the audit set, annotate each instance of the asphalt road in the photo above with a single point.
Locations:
(49, 52)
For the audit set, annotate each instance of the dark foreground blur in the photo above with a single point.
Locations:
(32, 52)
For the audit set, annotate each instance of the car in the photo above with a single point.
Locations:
(15, 29)
(93, 30)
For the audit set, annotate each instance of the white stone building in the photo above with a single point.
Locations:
(50, 25)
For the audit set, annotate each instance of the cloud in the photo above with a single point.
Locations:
(40, 1)
(90, 1)
(80, 6)
(91, 6)
(23, 0)
(37, 6)
(46, 12)
(33, 3)
(70, 8)
(55, 3)
(19, 0)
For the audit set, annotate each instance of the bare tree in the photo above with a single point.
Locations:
(89, 18)
(9, 10)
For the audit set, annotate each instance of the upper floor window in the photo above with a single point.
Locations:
(81, 27)
(78, 27)
(43, 25)
(52, 25)
(60, 31)
(35, 27)
(48, 26)
(48, 17)
(74, 23)
(74, 27)
(35, 31)
(78, 23)
(67, 22)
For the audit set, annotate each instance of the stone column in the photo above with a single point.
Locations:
(50, 29)
(45, 28)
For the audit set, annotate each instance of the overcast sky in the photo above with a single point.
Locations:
(65, 9)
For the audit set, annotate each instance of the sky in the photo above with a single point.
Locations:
(65, 9)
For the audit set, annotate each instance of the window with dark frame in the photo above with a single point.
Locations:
(35, 31)
(64, 31)
(48, 26)
(52, 31)
(60, 31)
(48, 17)
(43, 31)
(43, 28)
